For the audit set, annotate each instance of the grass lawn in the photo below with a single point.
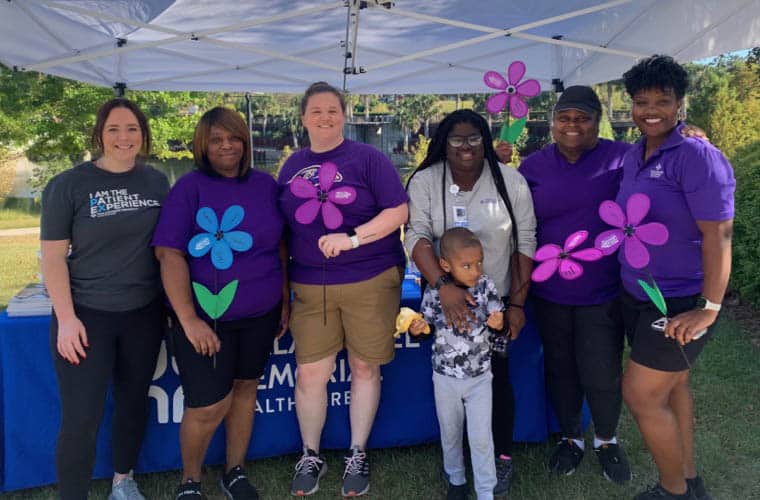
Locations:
(12, 218)
(18, 264)
(726, 391)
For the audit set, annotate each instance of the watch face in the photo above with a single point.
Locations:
(701, 303)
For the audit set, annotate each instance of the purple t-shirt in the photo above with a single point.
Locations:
(377, 186)
(258, 269)
(566, 198)
(686, 180)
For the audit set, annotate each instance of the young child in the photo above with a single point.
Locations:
(462, 364)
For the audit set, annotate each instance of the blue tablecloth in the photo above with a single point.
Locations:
(30, 405)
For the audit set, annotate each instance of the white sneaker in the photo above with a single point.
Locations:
(126, 489)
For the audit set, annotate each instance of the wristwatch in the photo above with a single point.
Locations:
(353, 237)
(442, 280)
(704, 304)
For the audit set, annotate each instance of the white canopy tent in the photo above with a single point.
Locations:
(372, 46)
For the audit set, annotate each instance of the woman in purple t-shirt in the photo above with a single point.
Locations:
(219, 244)
(344, 204)
(690, 185)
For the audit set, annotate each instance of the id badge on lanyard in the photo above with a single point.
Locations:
(460, 216)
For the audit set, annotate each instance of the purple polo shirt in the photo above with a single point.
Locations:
(686, 180)
(566, 198)
(258, 269)
(377, 187)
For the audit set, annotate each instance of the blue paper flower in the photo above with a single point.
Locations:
(219, 238)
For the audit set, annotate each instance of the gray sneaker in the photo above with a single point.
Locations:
(309, 470)
(356, 475)
(126, 489)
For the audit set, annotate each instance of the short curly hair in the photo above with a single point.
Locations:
(455, 239)
(656, 72)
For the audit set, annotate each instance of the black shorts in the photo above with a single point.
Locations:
(652, 348)
(246, 346)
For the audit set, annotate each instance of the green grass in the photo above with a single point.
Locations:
(726, 393)
(11, 218)
(18, 264)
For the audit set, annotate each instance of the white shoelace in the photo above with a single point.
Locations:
(307, 464)
(355, 464)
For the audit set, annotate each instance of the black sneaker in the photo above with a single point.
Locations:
(614, 463)
(698, 489)
(356, 474)
(236, 486)
(309, 470)
(566, 457)
(458, 492)
(189, 490)
(657, 492)
(503, 476)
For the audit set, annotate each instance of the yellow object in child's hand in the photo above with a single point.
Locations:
(404, 321)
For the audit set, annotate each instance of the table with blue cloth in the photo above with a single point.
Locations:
(31, 408)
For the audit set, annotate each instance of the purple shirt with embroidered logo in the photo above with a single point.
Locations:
(258, 269)
(687, 180)
(377, 186)
(566, 198)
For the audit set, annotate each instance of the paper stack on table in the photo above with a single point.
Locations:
(33, 300)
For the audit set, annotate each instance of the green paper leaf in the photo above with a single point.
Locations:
(215, 305)
(655, 295)
(504, 133)
(514, 130)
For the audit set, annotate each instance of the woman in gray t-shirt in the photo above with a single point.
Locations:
(97, 223)
(460, 183)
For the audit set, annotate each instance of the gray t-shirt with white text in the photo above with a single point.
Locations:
(108, 219)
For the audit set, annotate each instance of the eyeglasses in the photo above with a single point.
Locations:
(457, 141)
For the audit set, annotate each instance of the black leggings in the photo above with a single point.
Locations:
(583, 355)
(503, 415)
(123, 349)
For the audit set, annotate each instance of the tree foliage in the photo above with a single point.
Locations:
(50, 119)
(725, 101)
(411, 111)
(746, 240)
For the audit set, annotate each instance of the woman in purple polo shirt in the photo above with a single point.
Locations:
(344, 203)
(218, 242)
(691, 187)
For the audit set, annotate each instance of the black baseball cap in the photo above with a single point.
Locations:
(581, 98)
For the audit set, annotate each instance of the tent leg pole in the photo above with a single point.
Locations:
(249, 122)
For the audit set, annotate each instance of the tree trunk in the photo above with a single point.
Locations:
(366, 107)
(264, 125)
(459, 102)
(427, 127)
(406, 139)
(609, 102)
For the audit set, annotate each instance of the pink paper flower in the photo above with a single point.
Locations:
(512, 91)
(552, 257)
(627, 230)
(322, 197)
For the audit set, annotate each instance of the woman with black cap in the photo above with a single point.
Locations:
(579, 320)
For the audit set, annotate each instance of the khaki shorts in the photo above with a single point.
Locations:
(360, 316)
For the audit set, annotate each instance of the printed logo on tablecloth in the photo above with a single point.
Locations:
(271, 396)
